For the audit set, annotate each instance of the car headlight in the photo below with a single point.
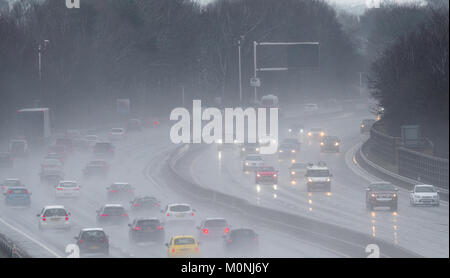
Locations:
(219, 141)
(309, 180)
(243, 149)
(301, 130)
(322, 134)
(290, 130)
(280, 151)
(246, 163)
(394, 195)
(373, 195)
(258, 175)
(293, 151)
(328, 179)
(362, 126)
(321, 143)
(336, 144)
(309, 134)
(235, 141)
(293, 172)
(257, 149)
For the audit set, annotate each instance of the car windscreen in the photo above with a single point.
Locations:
(18, 145)
(147, 200)
(184, 241)
(180, 208)
(17, 191)
(55, 212)
(116, 130)
(102, 147)
(318, 173)
(93, 235)
(68, 184)
(330, 139)
(91, 137)
(148, 223)
(425, 189)
(51, 162)
(213, 223)
(382, 187)
(266, 169)
(12, 183)
(118, 186)
(254, 158)
(114, 210)
(299, 166)
(287, 146)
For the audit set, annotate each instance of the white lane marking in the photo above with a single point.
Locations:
(354, 166)
(30, 238)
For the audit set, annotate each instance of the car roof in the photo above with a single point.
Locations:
(424, 185)
(315, 167)
(172, 205)
(380, 182)
(214, 218)
(12, 179)
(68, 181)
(183, 236)
(54, 207)
(113, 205)
(146, 218)
(91, 229)
(121, 183)
(253, 155)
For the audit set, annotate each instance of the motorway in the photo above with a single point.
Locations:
(142, 161)
(139, 160)
(423, 230)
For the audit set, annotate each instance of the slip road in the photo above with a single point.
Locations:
(250, 268)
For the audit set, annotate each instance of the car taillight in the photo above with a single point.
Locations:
(81, 241)
(192, 214)
(160, 228)
(9, 191)
(205, 231)
(157, 204)
(103, 215)
(106, 240)
(137, 228)
(196, 249)
(67, 217)
(125, 214)
(43, 218)
(114, 191)
(229, 241)
(59, 188)
(227, 230)
(77, 188)
(130, 191)
(173, 250)
(137, 205)
(168, 214)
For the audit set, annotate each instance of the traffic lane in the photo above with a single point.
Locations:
(43, 195)
(348, 196)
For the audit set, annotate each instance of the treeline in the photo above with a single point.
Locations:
(410, 78)
(148, 50)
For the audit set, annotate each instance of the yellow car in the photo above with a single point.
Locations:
(182, 247)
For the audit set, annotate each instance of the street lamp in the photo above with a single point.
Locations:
(42, 46)
(240, 68)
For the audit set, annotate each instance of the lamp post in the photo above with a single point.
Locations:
(42, 46)
(240, 68)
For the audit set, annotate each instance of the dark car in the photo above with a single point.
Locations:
(213, 229)
(330, 144)
(366, 125)
(241, 241)
(66, 142)
(103, 150)
(145, 204)
(112, 215)
(120, 191)
(381, 194)
(92, 241)
(133, 125)
(287, 151)
(294, 130)
(266, 175)
(146, 230)
(97, 168)
(17, 197)
(249, 148)
(52, 177)
(6, 160)
(60, 150)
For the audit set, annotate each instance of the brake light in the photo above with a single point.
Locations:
(192, 214)
(43, 218)
(67, 217)
(205, 231)
(114, 191)
(103, 215)
(81, 241)
(160, 228)
(137, 228)
(125, 214)
(9, 191)
(106, 240)
(229, 241)
(227, 230)
(168, 214)
(130, 191)
(196, 249)
(77, 188)
(59, 188)
(157, 204)
(173, 250)
(137, 205)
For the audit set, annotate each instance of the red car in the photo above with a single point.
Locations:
(266, 175)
